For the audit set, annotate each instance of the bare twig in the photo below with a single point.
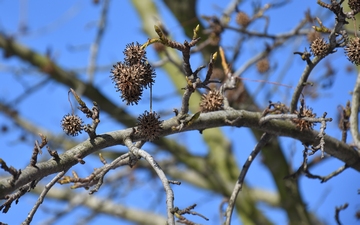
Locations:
(30, 90)
(302, 83)
(93, 113)
(120, 161)
(333, 174)
(321, 135)
(344, 120)
(14, 172)
(334, 42)
(37, 150)
(169, 192)
(97, 177)
(16, 196)
(222, 205)
(354, 116)
(267, 118)
(304, 168)
(42, 197)
(278, 41)
(188, 210)
(337, 212)
(53, 153)
(94, 49)
(265, 138)
(175, 182)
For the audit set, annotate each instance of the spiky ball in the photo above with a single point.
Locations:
(242, 19)
(127, 82)
(263, 65)
(354, 5)
(212, 101)
(319, 47)
(145, 74)
(134, 54)
(149, 125)
(352, 50)
(72, 124)
(133, 75)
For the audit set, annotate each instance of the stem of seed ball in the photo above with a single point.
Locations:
(150, 98)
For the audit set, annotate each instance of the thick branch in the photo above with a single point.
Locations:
(333, 146)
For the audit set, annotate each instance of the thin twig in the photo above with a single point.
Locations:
(335, 173)
(337, 212)
(265, 138)
(304, 168)
(354, 116)
(169, 192)
(267, 118)
(119, 161)
(42, 197)
(302, 83)
(94, 49)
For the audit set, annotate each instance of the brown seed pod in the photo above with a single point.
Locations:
(242, 19)
(319, 47)
(352, 50)
(134, 54)
(72, 124)
(145, 74)
(263, 65)
(127, 82)
(133, 75)
(354, 5)
(149, 125)
(212, 101)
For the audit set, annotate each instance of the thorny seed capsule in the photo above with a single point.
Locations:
(72, 124)
(319, 47)
(352, 50)
(212, 101)
(149, 125)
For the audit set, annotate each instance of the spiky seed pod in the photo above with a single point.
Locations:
(149, 125)
(312, 36)
(134, 54)
(127, 82)
(354, 5)
(145, 74)
(352, 50)
(72, 124)
(303, 124)
(212, 101)
(319, 47)
(263, 65)
(242, 19)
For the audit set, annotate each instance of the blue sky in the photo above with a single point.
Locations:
(67, 28)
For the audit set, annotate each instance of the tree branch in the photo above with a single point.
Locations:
(354, 116)
(263, 141)
(333, 146)
(169, 192)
